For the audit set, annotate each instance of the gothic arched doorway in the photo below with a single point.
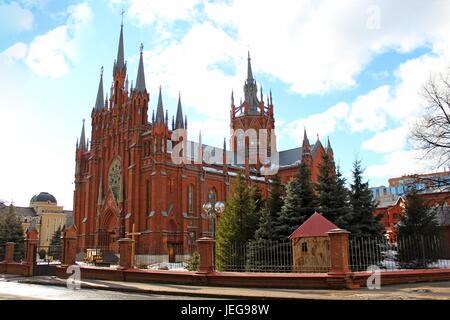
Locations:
(108, 232)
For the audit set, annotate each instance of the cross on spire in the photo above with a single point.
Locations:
(122, 14)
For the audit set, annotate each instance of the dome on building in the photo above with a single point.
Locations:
(44, 197)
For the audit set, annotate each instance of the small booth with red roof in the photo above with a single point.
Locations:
(311, 245)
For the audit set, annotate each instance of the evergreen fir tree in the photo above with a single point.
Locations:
(55, 247)
(340, 197)
(269, 214)
(236, 227)
(419, 240)
(326, 188)
(262, 249)
(258, 199)
(418, 218)
(11, 231)
(365, 229)
(360, 220)
(300, 202)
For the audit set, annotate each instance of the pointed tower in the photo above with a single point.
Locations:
(140, 80)
(118, 95)
(179, 119)
(160, 109)
(329, 150)
(306, 149)
(82, 144)
(250, 114)
(250, 91)
(99, 102)
(139, 95)
(160, 129)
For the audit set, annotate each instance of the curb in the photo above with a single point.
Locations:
(161, 292)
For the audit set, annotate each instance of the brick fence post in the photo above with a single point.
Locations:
(125, 251)
(69, 245)
(339, 251)
(9, 252)
(206, 251)
(340, 275)
(31, 243)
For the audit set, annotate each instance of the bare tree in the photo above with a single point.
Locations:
(431, 133)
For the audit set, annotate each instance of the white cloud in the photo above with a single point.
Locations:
(146, 12)
(50, 54)
(398, 163)
(16, 52)
(321, 46)
(193, 66)
(13, 17)
(322, 124)
(388, 141)
(368, 111)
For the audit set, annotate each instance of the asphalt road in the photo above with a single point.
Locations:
(11, 290)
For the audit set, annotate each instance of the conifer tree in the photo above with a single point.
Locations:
(418, 218)
(360, 220)
(11, 231)
(236, 226)
(419, 240)
(263, 248)
(300, 202)
(55, 249)
(269, 214)
(326, 188)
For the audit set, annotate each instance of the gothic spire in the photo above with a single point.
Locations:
(251, 90)
(140, 81)
(249, 69)
(179, 120)
(120, 62)
(82, 143)
(306, 146)
(99, 102)
(159, 109)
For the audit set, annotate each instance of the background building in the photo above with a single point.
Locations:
(433, 189)
(44, 214)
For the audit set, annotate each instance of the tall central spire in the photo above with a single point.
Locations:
(249, 69)
(120, 62)
(250, 89)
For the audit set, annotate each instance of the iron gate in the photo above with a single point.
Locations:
(46, 259)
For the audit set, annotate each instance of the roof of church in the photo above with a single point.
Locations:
(314, 226)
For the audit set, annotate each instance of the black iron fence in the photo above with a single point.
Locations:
(255, 256)
(2, 252)
(49, 254)
(163, 257)
(19, 251)
(409, 252)
(102, 256)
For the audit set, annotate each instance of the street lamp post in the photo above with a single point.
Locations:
(212, 210)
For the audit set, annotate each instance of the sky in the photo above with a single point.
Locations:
(348, 70)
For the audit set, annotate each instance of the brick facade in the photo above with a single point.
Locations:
(126, 174)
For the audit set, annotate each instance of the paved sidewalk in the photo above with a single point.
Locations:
(435, 290)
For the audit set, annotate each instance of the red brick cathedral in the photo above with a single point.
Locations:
(125, 176)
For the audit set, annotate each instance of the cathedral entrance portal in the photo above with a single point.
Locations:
(108, 232)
